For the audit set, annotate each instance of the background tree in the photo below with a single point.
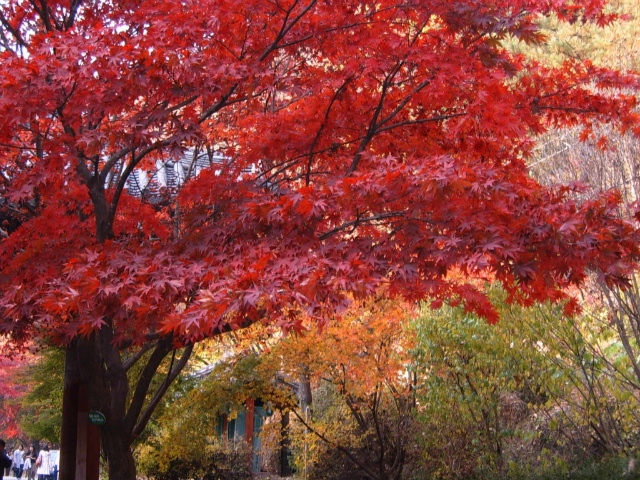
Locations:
(606, 343)
(592, 395)
(539, 395)
(616, 45)
(476, 383)
(364, 146)
(10, 396)
(189, 440)
(360, 421)
(536, 396)
(40, 413)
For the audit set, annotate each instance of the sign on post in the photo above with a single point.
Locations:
(97, 418)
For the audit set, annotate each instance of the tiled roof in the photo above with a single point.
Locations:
(170, 174)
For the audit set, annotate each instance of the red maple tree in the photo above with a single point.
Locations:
(339, 146)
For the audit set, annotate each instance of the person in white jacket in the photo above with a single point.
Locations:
(18, 461)
(43, 463)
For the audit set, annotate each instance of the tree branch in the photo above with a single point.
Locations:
(334, 97)
(342, 449)
(359, 221)
(160, 351)
(286, 27)
(437, 118)
(373, 124)
(73, 10)
(133, 359)
(174, 371)
(13, 31)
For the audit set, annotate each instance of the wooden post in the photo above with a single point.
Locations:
(88, 446)
(69, 428)
(79, 440)
(248, 423)
(248, 429)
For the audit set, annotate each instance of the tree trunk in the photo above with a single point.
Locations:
(285, 446)
(304, 390)
(119, 455)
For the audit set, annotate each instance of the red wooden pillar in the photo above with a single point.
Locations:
(248, 428)
(248, 423)
(88, 449)
(80, 440)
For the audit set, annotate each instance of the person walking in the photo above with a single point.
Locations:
(29, 462)
(43, 463)
(5, 462)
(18, 461)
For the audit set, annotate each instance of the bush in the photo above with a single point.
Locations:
(612, 468)
(216, 462)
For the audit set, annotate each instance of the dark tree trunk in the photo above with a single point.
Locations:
(119, 455)
(285, 446)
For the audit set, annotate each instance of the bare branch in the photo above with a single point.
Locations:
(162, 348)
(342, 449)
(437, 118)
(174, 371)
(286, 27)
(334, 97)
(15, 33)
(359, 221)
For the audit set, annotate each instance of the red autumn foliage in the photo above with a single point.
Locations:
(386, 146)
(365, 145)
(12, 389)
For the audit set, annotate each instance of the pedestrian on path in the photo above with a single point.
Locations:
(29, 462)
(18, 461)
(5, 462)
(43, 463)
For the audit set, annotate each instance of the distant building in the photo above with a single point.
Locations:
(169, 175)
(246, 426)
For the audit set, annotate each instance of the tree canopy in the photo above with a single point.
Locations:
(367, 144)
(336, 147)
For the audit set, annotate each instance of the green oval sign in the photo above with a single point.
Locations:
(97, 418)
